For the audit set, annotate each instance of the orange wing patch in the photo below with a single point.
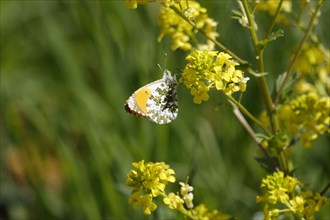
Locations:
(141, 97)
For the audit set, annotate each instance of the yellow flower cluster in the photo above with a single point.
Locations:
(148, 181)
(278, 188)
(285, 194)
(306, 116)
(313, 65)
(182, 33)
(211, 69)
(182, 20)
(201, 212)
(132, 4)
(270, 6)
(174, 201)
(184, 204)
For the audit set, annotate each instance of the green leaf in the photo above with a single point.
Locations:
(288, 88)
(268, 163)
(273, 36)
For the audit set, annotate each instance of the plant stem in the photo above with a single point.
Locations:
(261, 80)
(263, 83)
(218, 44)
(325, 189)
(248, 114)
(274, 18)
(266, 94)
(298, 51)
(251, 132)
(283, 163)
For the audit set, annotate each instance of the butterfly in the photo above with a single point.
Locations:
(156, 101)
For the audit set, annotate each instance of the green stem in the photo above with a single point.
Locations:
(218, 44)
(260, 57)
(325, 189)
(283, 163)
(248, 114)
(263, 83)
(266, 94)
(244, 123)
(298, 51)
(253, 32)
(274, 18)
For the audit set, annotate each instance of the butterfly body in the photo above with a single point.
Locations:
(156, 101)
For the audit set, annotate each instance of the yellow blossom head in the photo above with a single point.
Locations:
(278, 187)
(306, 117)
(270, 6)
(285, 194)
(202, 212)
(132, 4)
(313, 65)
(173, 201)
(143, 200)
(177, 21)
(311, 59)
(148, 181)
(210, 69)
(150, 177)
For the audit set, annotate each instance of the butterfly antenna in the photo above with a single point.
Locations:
(165, 63)
(160, 67)
(165, 60)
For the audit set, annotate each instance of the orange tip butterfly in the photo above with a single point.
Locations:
(156, 101)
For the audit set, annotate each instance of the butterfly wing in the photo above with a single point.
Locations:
(136, 103)
(156, 101)
(162, 105)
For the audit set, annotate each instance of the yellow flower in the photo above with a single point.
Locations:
(199, 93)
(297, 205)
(183, 33)
(150, 177)
(310, 59)
(270, 6)
(210, 69)
(270, 214)
(242, 84)
(307, 115)
(304, 87)
(278, 187)
(324, 76)
(132, 4)
(173, 201)
(319, 201)
(313, 65)
(143, 200)
(313, 203)
(201, 212)
(285, 194)
(303, 119)
(148, 181)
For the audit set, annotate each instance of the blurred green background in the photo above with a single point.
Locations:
(67, 144)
